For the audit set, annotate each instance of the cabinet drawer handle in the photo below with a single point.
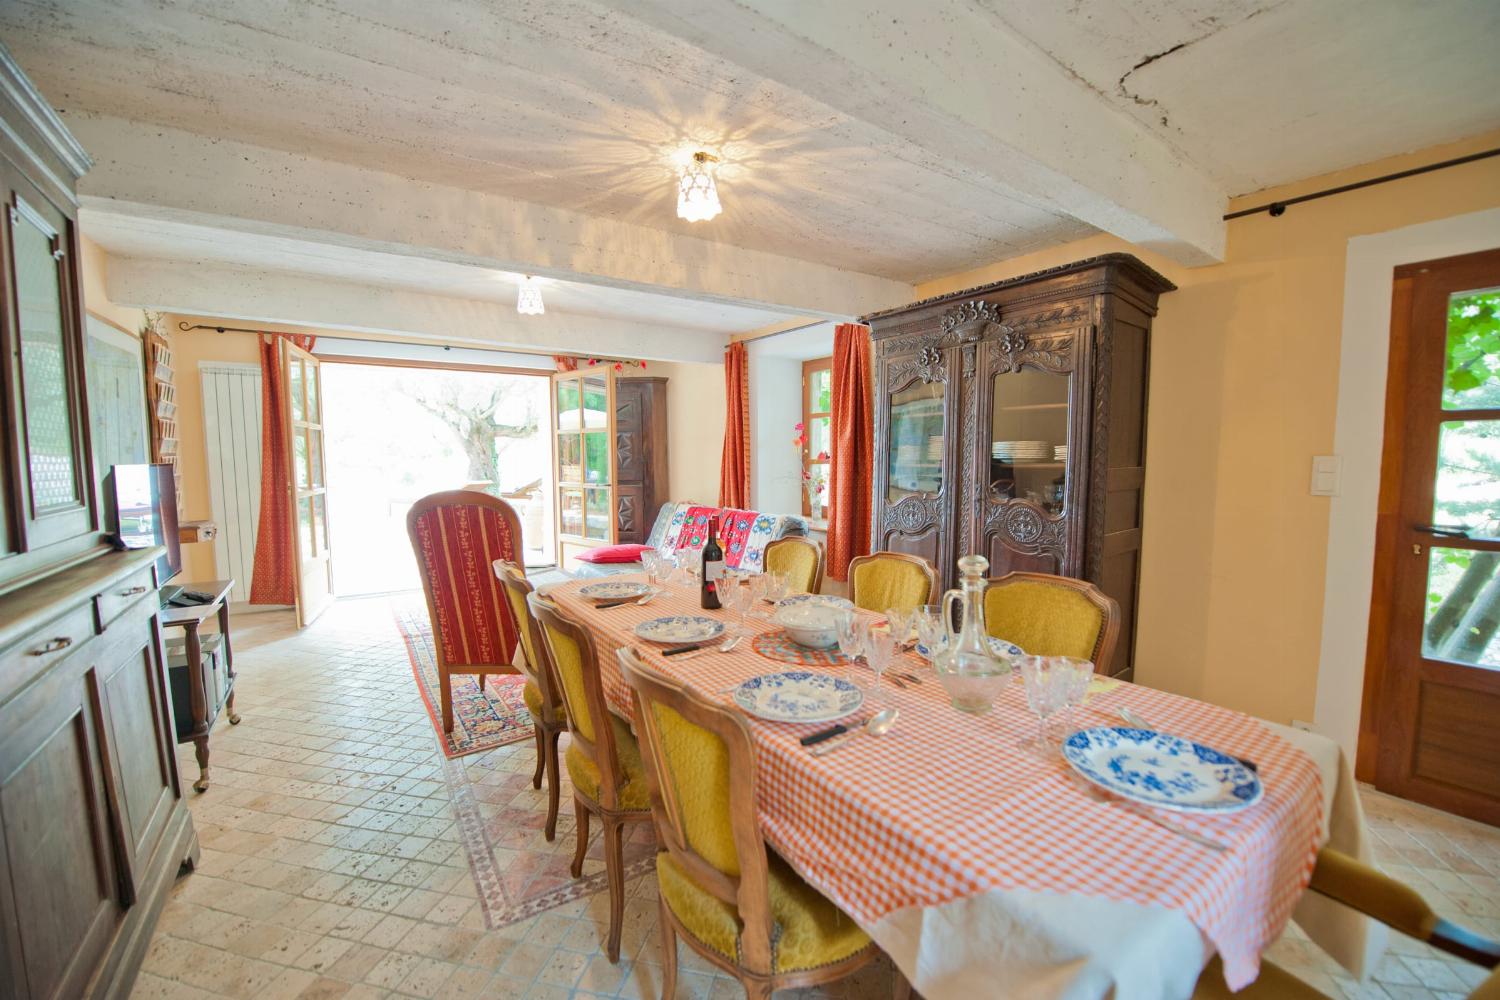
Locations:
(53, 645)
(132, 591)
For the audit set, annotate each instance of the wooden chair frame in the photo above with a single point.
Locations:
(750, 893)
(603, 752)
(446, 670)
(814, 544)
(1109, 608)
(551, 724)
(858, 561)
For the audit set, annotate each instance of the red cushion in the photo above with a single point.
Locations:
(615, 553)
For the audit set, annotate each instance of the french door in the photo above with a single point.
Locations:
(308, 483)
(583, 428)
(1433, 723)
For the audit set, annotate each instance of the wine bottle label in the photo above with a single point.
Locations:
(713, 571)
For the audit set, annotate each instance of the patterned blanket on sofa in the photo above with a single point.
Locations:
(743, 534)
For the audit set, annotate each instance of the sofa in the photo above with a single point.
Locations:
(668, 535)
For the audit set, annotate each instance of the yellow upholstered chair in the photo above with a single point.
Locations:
(1375, 894)
(603, 758)
(1050, 615)
(800, 560)
(733, 901)
(542, 695)
(884, 580)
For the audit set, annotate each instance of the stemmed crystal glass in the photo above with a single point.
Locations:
(851, 636)
(776, 586)
(880, 649)
(1051, 682)
(737, 597)
(930, 629)
(900, 620)
(756, 583)
(652, 563)
(1082, 671)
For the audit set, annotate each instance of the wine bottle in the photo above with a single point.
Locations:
(713, 567)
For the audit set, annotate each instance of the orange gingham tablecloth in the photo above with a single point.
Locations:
(946, 806)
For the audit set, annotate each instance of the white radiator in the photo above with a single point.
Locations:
(231, 445)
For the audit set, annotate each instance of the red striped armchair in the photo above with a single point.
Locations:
(457, 536)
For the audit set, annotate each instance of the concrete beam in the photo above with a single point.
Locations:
(264, 296)
(951, 78)
(156, 172)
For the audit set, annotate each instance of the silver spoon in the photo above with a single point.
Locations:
(878, 725)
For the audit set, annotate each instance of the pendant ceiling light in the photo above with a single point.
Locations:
(697, 196)
(529, 299)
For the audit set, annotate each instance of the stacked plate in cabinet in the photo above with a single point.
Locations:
(1021, 451)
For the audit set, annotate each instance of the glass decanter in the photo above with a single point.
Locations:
(970, 671)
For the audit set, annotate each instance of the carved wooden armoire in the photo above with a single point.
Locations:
(1010, 421)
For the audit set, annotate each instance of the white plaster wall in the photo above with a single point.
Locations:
(775, 406)
(1364, 356)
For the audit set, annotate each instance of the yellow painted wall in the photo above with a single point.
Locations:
(695, 428)
(1244, 384)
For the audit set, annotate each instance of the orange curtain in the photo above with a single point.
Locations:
(273, 577)
(850, 482)
(734, 467)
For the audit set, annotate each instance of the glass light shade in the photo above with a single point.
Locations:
(697, 195)
(529, 299)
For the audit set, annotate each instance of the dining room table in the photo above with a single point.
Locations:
(986, 869)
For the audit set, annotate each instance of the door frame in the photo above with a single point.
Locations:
(1383, 688)
(317, 486)
(1358, 438)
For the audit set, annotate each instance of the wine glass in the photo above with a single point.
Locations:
(756, 583)
(776, 586)
(739, 596)
(900, 621)
(1047, 682)
(652, 563)
(1080, 672)
(930, 629)
(880, 649)
(850, 639)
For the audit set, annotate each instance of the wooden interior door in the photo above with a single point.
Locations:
(583, 429)
(309, 485)
(1433, 725)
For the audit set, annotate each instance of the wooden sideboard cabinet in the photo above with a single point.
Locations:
(93, 828)
(1010, 421)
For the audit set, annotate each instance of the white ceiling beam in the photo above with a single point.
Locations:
(156, 172)
(264, 296)
(954, 80)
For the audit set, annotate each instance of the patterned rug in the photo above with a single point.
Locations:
(482, 720)
(517, 873)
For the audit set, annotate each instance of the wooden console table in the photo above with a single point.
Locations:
(207, 695)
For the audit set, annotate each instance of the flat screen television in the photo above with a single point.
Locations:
(143, 513)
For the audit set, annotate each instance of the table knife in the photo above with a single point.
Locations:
(827, 734)
(685, 649)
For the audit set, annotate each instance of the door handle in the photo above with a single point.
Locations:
(1445, 530)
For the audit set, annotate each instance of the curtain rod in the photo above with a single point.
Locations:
(1276, 208)
(181, 325)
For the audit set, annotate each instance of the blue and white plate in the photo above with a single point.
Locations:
(1160, 770)
(680, 628)
(826, 600)
(997, 646)
(798, 696)
(613, 590)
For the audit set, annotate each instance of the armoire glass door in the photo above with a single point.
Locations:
(583, 427)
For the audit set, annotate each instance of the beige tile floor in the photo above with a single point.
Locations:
(332, 867)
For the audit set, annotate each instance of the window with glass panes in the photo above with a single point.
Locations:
(817, 434)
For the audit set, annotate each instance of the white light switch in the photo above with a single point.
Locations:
(1325, 475)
